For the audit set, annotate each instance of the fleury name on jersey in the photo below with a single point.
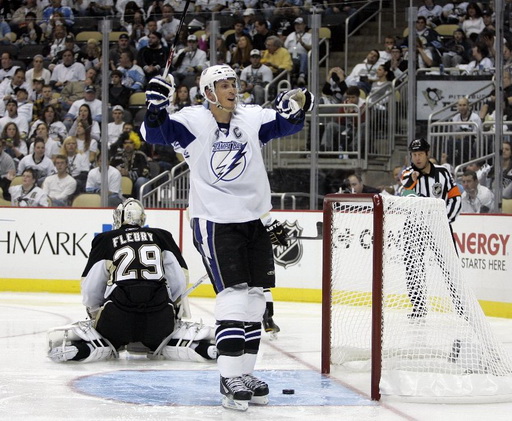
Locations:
(132, 237)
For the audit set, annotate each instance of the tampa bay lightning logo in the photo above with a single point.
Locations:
(228, 160)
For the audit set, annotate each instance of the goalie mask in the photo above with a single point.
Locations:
(130, 212)
(213, 74)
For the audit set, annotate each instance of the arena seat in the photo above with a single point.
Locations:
(87, 200)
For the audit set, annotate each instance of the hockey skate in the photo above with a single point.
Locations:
(236, 394)
(258, 388)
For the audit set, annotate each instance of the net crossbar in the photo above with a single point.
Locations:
(393, 260)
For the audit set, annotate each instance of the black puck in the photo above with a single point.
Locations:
(288, 391)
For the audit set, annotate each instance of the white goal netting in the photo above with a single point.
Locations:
(436, 341)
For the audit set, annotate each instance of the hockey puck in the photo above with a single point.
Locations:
(288, 391)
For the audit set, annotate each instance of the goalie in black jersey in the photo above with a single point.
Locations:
(132, 287)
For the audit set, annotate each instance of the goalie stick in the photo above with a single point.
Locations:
(175, 42)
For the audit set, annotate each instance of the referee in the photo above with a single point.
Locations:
(427, 180)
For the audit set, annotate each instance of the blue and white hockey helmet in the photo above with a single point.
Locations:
(213, 74)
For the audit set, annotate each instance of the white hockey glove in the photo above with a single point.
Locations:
(293, 104)
(159, 93)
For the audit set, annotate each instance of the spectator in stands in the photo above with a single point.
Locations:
(347, 125)
(7, 68)
(257, 77)
(37, 160)
(463, 146)
(12, 116)
(45, 100)
(133, 75)
(168, 25)
(85, 115)
(28, 32)
(9, 86)
(481, 170)
(56, 7)
(51, 146)
(28, 6)
(93, 184)
(473, 22)
(357, 186)
(61, 186)
(37, 71)
(397, 64)
(6, 34)
(24, 105)
(261, 35)
(457, 50)
(428, 35)
(69, 44)
(58, 40)
(489, 104)
(232, 39)
(181, 99)
(56, 128)
(136, 28)
(78, 163)
(67, 71)
(7, 168)
(90, 100)
(334, 87)
(75, 91)
(92, 55)
(115, 128)
(132, 163)
(488, 18)
(37, 91)
(454, 12)
(284, 15)
(86, 144)
(276, 57)
(189, 62)
(475, 198)
(143, 41)
(98, 8)
(431, 11)
(363, 74)
(241, 55)
(385, 54)
(123, 44)
(28, 194)
(15, 146)
(298, 43)
(481, 63)
(117, 93)
(153, 57)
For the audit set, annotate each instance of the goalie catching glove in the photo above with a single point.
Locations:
(159, 93)
(278, 234)
(293, 104)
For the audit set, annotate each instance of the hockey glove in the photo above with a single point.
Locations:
(278, 234)
(293, 104)
(159, 93)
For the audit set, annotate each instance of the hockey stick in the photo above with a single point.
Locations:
(194, 286)
(319, 235)
(176, 39)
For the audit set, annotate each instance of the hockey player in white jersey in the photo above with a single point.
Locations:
(229, 194)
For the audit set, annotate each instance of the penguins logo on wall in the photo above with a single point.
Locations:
(292, 253)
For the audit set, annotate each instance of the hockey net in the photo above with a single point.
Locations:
(395, 302)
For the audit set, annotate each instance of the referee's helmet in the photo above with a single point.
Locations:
(419, 145)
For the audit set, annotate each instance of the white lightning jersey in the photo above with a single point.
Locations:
(228, 179)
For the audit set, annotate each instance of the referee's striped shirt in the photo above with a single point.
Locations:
(439, 184)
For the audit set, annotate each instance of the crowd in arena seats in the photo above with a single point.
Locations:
(51, 79)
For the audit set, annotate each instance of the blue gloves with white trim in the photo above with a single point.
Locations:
(159, 93)
(293, 104)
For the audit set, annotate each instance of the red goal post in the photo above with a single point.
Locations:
(394, 298)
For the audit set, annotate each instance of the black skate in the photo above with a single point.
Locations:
(236, 394)
(258, 388)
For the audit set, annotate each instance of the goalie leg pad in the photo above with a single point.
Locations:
(187, 351)
(66, 343)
